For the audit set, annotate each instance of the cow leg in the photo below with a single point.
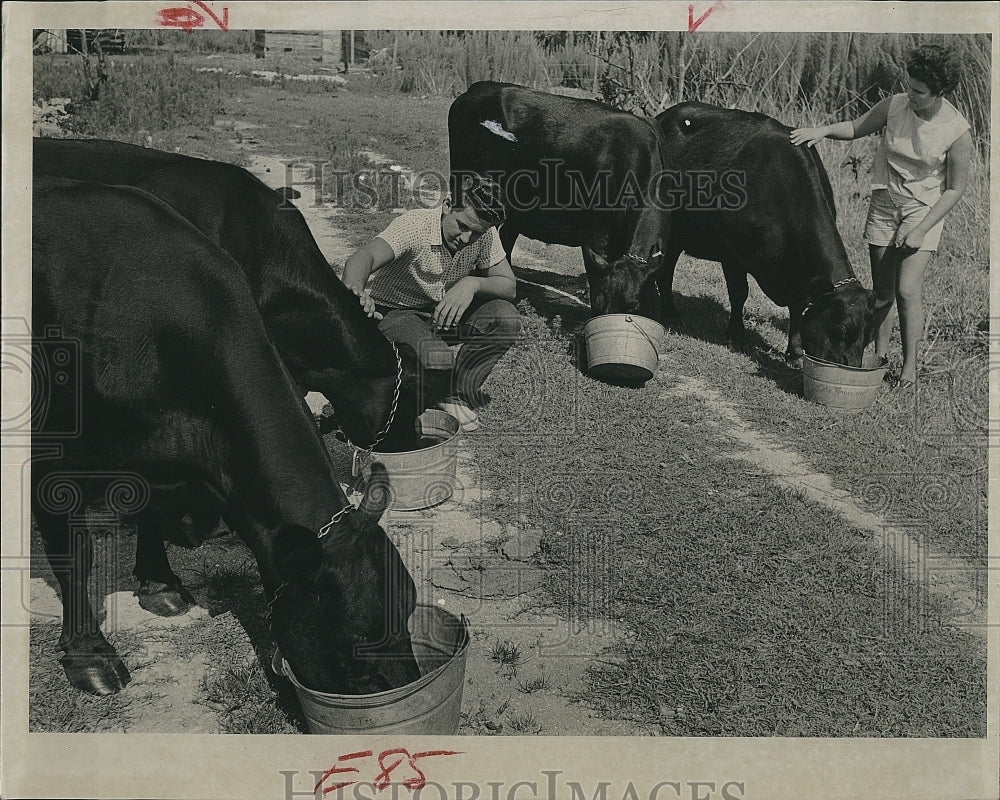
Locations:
(508, 236)
(90, 662)
(160, 591)
(739, 290)
(795, 353)
(665, 282)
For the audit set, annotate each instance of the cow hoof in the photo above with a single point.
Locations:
(99, 672)
(164, 600)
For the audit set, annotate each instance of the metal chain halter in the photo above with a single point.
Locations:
(392, 410)
(836, 286)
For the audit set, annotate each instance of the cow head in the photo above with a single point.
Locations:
(340, 614)
(616, 287)
(839, 321)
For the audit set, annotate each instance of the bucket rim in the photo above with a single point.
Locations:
(883, 363)
(623, 315)
(442, 443)
(463, 644)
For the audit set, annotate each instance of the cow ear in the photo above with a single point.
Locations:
(296, 553)
(819, 287)
(377, 495)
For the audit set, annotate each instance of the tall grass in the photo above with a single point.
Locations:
(787, 75)
(833, 74)
(140, 96)
(203, 41)
(447, 62)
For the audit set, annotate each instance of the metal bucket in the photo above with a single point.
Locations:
(425, 477)
(432, 704)
(622, 347)
(840, 386)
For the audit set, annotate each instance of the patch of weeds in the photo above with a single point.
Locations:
(524, 722)
(536, 684)
(484, 721)
(54, 706)
(244, 700)
(508, 655)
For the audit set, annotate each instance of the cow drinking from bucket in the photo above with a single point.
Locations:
(778, 223)
(574, 172)
(324, 337)
(178, 387)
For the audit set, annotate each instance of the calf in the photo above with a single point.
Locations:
(574, 172)
(775, 220)
(178, 384)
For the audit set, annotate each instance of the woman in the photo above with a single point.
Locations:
(920, 172)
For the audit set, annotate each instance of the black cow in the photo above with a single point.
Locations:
(317, 324)
(575, 172)
(177, 389)
(764, 207)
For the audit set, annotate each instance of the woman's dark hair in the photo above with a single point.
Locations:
(935, 65)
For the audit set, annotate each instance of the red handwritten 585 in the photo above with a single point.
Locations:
(388, 762)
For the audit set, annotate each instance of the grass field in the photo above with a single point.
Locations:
(754, 610)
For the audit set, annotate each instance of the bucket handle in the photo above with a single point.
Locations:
(638, 327)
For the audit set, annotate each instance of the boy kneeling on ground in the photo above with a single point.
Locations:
(437, 277)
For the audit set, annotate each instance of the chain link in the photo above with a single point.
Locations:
(392, 412)
(270, 604)
(837, 285)
(334, 520)
(642, 260)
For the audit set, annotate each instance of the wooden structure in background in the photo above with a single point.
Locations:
(330, 47)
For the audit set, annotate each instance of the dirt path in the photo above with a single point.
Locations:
(907, 557)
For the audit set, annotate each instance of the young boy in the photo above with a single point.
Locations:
(440, 276)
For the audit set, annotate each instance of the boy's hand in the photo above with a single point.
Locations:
(807, 136)
(454, 303)
(366, 302)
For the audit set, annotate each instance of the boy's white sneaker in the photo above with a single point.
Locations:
(468, 419)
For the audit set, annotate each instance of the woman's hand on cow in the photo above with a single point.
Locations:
(366, 302)
(807, 136)
(455, 303)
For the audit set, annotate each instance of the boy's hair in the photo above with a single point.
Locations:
(483, 195)
(935, 65)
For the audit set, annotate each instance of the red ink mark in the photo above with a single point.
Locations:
(334, 770)
(694, 24)
(187, 18)
(224, 22)
(388, 761)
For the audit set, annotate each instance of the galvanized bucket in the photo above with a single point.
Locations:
(432, 704)
(622, 347)
(840, 386)
(420, 478)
